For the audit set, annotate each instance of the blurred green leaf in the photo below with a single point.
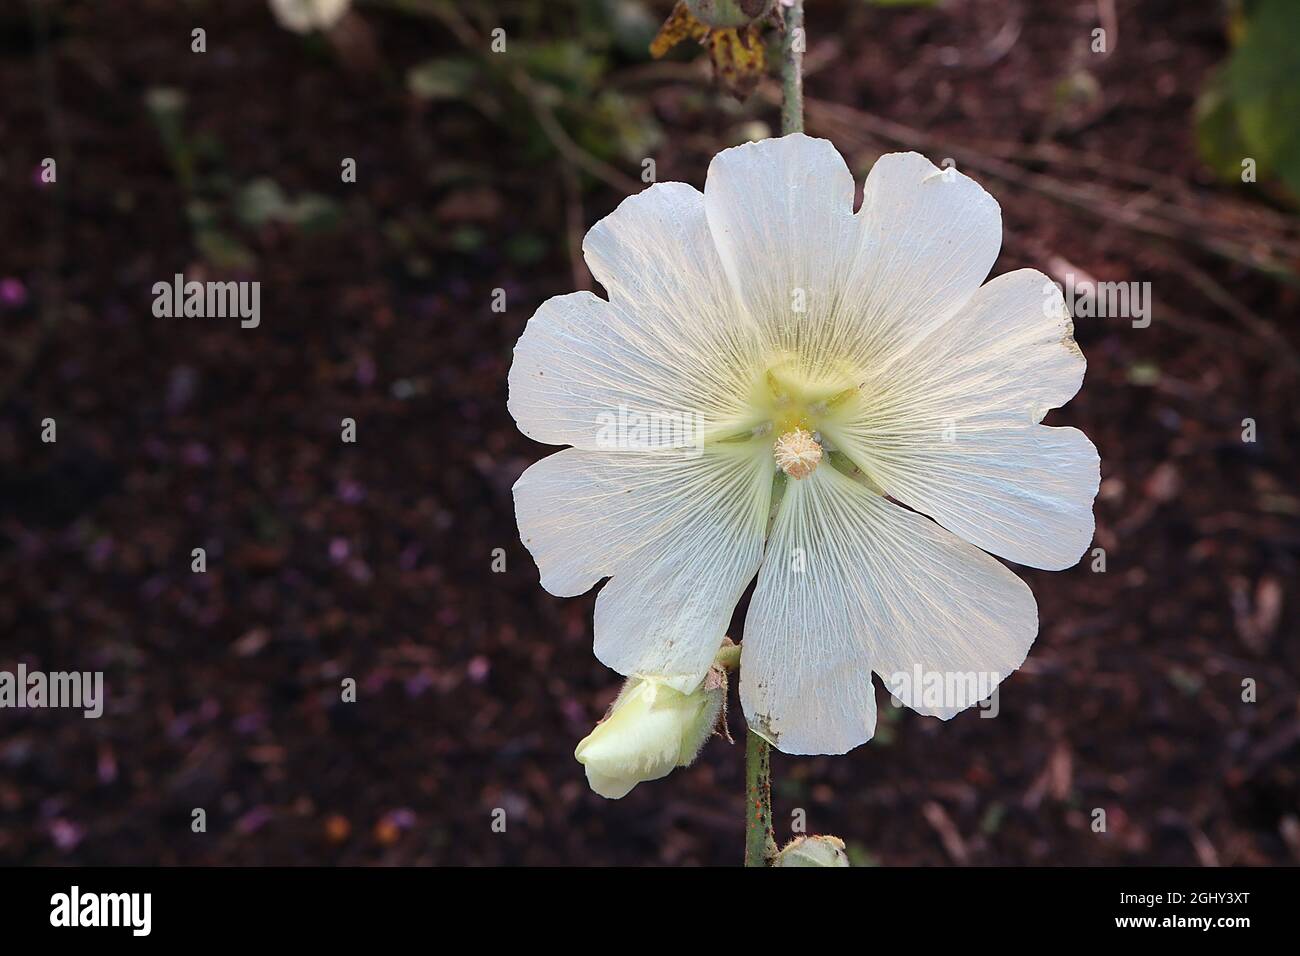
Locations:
(1250, 107)
(263, 201)
(525, 249)
(260, 202)
(223, 251)
(790, 788)
(619, 127)
(1264, 77)
(1218, 137)
(313, 212)
(1144, 374)
(200, 214)
(630, 25)
(166, 107)
(445, 78)
(1077, 88)
(572, 66)
(991, 822)
(468, 239)
(1185, 680)
(859, 855)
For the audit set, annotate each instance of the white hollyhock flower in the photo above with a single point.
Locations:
(303, 16)
(775, 318)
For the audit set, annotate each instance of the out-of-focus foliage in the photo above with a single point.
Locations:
(567, 75)
(218, 208)
(1250, 108)
(445, 78)
(262, 202)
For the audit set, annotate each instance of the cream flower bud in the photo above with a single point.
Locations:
(303, 16)
(813, 851)
(650, 729)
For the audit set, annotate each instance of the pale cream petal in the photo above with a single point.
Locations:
(832, 290)
(781, 213)
(805, 664)
(850, 583)
(672, 340)
(928, 238)
(680, 537)
(951, 427)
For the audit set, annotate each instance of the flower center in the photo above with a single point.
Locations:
(791, 413)
(797, 453)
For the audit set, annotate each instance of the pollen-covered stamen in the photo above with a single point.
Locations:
(797, 453)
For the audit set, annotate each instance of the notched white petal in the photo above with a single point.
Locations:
(781, 214)
(570, 366)
(680, 537)
(954, 622)
(951, 427)
(672, 340)
(927, 239)
(805, 664)
(655, 248)
(853, 583)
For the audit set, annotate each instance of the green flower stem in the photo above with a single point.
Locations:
(760, 845)
(792, 70)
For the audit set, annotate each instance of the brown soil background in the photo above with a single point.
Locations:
(372, 560)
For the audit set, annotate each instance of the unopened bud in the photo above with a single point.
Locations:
(650, 730)
(813, 851)
(303, 16)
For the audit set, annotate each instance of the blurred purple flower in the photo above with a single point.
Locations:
(65, 834)
(13, 294)
(350, 492)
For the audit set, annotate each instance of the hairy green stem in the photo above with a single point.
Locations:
(760, 845)
(792, 47)
(728, 656)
